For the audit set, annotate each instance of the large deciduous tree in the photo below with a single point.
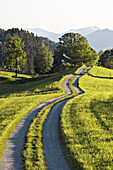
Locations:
(106, 59)
(43, 61)
(15, 56)
(75, 46)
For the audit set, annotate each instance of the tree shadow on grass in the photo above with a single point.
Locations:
(47, 91)
(103, 111)
(22, 84)
(3, 78)
(100, 76)
(7, 89)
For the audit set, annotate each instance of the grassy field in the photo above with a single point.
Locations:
(87, 123)
(101, 72)
(18, 96)
(33, 153)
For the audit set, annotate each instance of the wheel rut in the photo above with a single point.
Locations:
(51, 145)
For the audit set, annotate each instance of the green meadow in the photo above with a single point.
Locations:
(87, 123)
(33, 152)
(18, 96)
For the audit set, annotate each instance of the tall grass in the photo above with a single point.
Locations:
(87, 123)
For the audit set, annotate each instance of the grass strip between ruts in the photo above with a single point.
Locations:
(6, 134)
(30, 103)
(33, 153)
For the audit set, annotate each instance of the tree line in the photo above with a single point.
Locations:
(21, 51)
(106, 58)
(32, 46)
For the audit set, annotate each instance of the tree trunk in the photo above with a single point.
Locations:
(16, 69)
(16, 73)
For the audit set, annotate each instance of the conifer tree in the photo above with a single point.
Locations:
(43, 60)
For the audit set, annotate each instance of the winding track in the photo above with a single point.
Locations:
(12, 158)
(51, 145)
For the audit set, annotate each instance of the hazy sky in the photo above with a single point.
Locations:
(56, 15)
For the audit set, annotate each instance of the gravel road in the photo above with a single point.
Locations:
(12, 158)
(51, 145)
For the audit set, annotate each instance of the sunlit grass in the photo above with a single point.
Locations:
(17, 99)
(87, 124)
(90, 84)
(101, 72)
(33, 153)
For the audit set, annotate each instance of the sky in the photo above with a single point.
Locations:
(56, 15)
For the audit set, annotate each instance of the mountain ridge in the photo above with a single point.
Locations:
(55, 36)
(99, 39)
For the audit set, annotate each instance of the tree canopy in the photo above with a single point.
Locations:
(32, 43)
(76, 46)
(106, 59)
(43, 60)
(15, 56)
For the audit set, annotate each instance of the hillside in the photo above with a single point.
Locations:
(55, 37)
(87, 122)
(86, 131)
(49, 43)
(43, 33)
(19, 96)
(32, 44)
(85, 31)
(101, 39)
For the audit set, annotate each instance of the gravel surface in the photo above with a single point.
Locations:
(53, 154)
(12, 158)
(52, 151)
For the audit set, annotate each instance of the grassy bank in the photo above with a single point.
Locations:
(33, 153)
(19, 96)
(86, 123)
(101, 72)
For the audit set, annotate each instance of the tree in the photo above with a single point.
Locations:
(44, 59)
(15, 56)
(76, 47)
(109, 62)
(32, 43)
(106, 59)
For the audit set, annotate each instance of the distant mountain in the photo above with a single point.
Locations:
(98, 39)
(85, 31)
(55, 37)
(49, 43)
(43, 33)
(101, 39)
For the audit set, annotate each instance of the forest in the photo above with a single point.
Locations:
(32, 44)
(45, 56)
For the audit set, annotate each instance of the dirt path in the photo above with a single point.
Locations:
(12, 158)
(51, 145)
